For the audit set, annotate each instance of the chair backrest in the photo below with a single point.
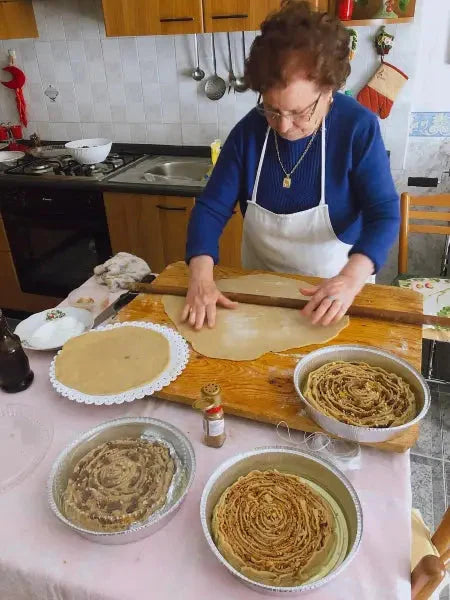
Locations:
(430, 570)
(425, 214)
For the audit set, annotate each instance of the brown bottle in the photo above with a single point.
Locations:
(15, 372)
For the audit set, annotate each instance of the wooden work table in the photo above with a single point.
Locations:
(263, 389)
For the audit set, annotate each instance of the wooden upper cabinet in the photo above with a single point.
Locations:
(152, 17)
(17, 20)
(236, 15)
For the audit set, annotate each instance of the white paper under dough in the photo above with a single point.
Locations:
(250, 331)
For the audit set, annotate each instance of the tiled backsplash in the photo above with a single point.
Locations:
(140, 89)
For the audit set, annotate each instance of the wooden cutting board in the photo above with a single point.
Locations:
(263, 389)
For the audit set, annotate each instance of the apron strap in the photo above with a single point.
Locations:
(258, 172)
(322, 165)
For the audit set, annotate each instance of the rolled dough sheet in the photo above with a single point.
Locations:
(250, 331)
(112, 361)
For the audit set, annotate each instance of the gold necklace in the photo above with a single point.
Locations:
(287, 178)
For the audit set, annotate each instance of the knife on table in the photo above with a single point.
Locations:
(124, 299)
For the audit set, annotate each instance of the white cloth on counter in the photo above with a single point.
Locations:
(121, 269)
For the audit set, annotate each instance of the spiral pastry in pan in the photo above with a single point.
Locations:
(359, 394)
(275, 529)
(118, 483)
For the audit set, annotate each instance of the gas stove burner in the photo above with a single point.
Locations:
(115, 160)
(39, 168)
(65, 165)
(95, 170)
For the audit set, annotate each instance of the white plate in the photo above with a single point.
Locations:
(25, 329)
(7, 156)
(25, 437)
(179, 357)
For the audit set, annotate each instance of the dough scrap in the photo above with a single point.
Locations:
(250, 331)
(112, 361)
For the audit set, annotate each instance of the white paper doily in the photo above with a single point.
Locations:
(179, 357)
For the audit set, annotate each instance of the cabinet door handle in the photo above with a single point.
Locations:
(176, 19)
(170, 207)
(238, 16)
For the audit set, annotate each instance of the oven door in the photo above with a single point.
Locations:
(56, 237)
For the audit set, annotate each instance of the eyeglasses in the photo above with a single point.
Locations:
(303, 116)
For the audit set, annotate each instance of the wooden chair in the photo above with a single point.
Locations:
(430, 570)
(433, 208)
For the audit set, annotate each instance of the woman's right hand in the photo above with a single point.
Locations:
(203, 295)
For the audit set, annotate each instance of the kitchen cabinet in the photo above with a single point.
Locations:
(240, 15)
(17, 20)
(230, 241)
(152, 17)
(236, 15)
(155, 228)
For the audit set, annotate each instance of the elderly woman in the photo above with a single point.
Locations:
(308, 168)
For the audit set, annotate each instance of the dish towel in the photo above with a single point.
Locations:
(121, 269)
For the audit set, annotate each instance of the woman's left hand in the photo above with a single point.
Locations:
(331, 299)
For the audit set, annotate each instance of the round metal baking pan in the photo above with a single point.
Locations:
(287, 460)
(376, 358)
(133, 427)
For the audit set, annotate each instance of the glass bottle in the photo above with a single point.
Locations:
(213, 417)
(15, 372)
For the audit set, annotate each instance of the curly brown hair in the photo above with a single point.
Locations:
(297, 39)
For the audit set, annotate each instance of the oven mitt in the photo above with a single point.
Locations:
(382, 90)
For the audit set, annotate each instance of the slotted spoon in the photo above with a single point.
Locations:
(215, 86)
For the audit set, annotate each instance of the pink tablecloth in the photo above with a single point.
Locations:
(40, 559)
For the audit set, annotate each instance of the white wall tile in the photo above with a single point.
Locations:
(73, 131)
(170, 104)
(57, 131)
(90, 130)
(118, 113)
(102, 112)
(135, 112)
(138, 133)
(100, 91)
(122, 132)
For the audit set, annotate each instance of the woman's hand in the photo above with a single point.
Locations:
(203, 294)
(331, 299)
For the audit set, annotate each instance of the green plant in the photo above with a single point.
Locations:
(403, 4)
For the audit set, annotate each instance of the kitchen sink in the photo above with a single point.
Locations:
(186, 171)
(180, 170)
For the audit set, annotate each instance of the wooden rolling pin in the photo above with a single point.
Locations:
(364, 312)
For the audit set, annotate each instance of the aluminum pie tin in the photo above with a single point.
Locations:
(133, 427)
(376, 358)
(308, 465)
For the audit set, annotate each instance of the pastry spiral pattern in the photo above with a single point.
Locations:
(273, 528)
(359, 394)
(118, 483)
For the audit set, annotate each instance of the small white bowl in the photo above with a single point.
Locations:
(91, 151)
(25, 329)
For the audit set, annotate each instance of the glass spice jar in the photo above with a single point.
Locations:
(213, 416)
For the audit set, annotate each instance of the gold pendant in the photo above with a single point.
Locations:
(287, 181)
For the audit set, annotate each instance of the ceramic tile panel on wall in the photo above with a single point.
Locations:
(140, 89)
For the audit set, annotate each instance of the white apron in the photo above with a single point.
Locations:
(302, 242)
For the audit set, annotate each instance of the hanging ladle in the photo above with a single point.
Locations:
(240, 84)
(197, 74)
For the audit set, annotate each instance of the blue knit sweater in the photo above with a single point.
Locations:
(359, 190)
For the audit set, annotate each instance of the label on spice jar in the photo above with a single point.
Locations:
(213, 428)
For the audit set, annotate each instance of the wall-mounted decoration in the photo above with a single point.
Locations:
(52, 93)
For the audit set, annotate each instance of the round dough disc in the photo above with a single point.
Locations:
(112, 361)
(249, 331)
